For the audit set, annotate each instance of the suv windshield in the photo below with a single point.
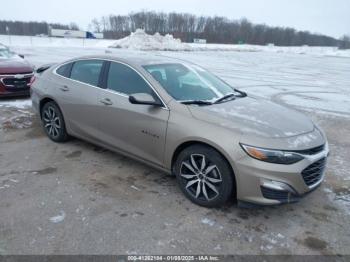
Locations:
(189, 82)
(5, 53)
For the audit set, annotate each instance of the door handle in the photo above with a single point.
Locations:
(64, 88)
(106, 102)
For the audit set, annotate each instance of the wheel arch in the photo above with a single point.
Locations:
(45, 100)
(42, 103)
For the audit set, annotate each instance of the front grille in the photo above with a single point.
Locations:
(282, 196)
(15, 84)
(313, 173)
(311, 151)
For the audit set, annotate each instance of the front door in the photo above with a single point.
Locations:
(139, 130)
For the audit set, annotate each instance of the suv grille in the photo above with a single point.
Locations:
(313, 173)
(12, 83)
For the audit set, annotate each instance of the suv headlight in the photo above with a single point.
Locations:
(272, 156)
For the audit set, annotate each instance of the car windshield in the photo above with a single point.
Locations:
(5, 53)
(189, 82)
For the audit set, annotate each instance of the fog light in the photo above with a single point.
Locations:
(276, 185)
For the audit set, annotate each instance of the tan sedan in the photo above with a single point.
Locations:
(176, 116)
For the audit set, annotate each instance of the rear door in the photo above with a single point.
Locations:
(77, 94)
(139, 130)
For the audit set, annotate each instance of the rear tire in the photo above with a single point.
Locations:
(204, 176)
(53, 122)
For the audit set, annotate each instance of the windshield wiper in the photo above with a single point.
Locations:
(225, 97)
(196, 102)
(242, 94)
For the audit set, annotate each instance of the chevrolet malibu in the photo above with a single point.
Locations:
(219, 142)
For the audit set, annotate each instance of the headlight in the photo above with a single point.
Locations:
(272, 156)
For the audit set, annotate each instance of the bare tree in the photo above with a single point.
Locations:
(345, 42)
(73, 26)
(96, 25)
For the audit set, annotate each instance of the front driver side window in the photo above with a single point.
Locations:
(125, 80)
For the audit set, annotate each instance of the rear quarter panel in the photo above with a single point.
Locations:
(42, 88)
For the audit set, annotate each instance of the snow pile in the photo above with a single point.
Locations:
(140, 40)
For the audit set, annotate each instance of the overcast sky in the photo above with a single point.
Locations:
(331, 17)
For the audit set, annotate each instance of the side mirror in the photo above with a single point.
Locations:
(144, 99)
(21, 56)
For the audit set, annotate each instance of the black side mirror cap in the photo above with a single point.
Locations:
(135, 101)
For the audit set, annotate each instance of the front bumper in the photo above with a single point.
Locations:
(264, 183)
(18, 93)
(13, 92)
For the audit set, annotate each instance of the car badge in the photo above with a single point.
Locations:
(19, 76)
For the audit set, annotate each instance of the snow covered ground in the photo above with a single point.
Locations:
(311, 83)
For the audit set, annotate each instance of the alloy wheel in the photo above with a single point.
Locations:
(52, 122)
(203, 178)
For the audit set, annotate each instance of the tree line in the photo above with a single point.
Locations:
(214, 29)
(31, 28)
(186, 27)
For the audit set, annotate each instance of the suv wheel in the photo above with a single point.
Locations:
(53, 122)
(204, 176)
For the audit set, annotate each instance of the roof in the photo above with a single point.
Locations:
(138, 58)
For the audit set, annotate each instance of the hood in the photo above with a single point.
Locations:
(257, 117)
(15, 65)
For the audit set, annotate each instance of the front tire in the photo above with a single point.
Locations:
(53, 122)
(204, 176)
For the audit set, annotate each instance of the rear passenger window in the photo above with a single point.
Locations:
(64, 70)
(125, 80)
(87, 71)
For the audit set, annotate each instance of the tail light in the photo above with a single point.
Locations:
(32, 80)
